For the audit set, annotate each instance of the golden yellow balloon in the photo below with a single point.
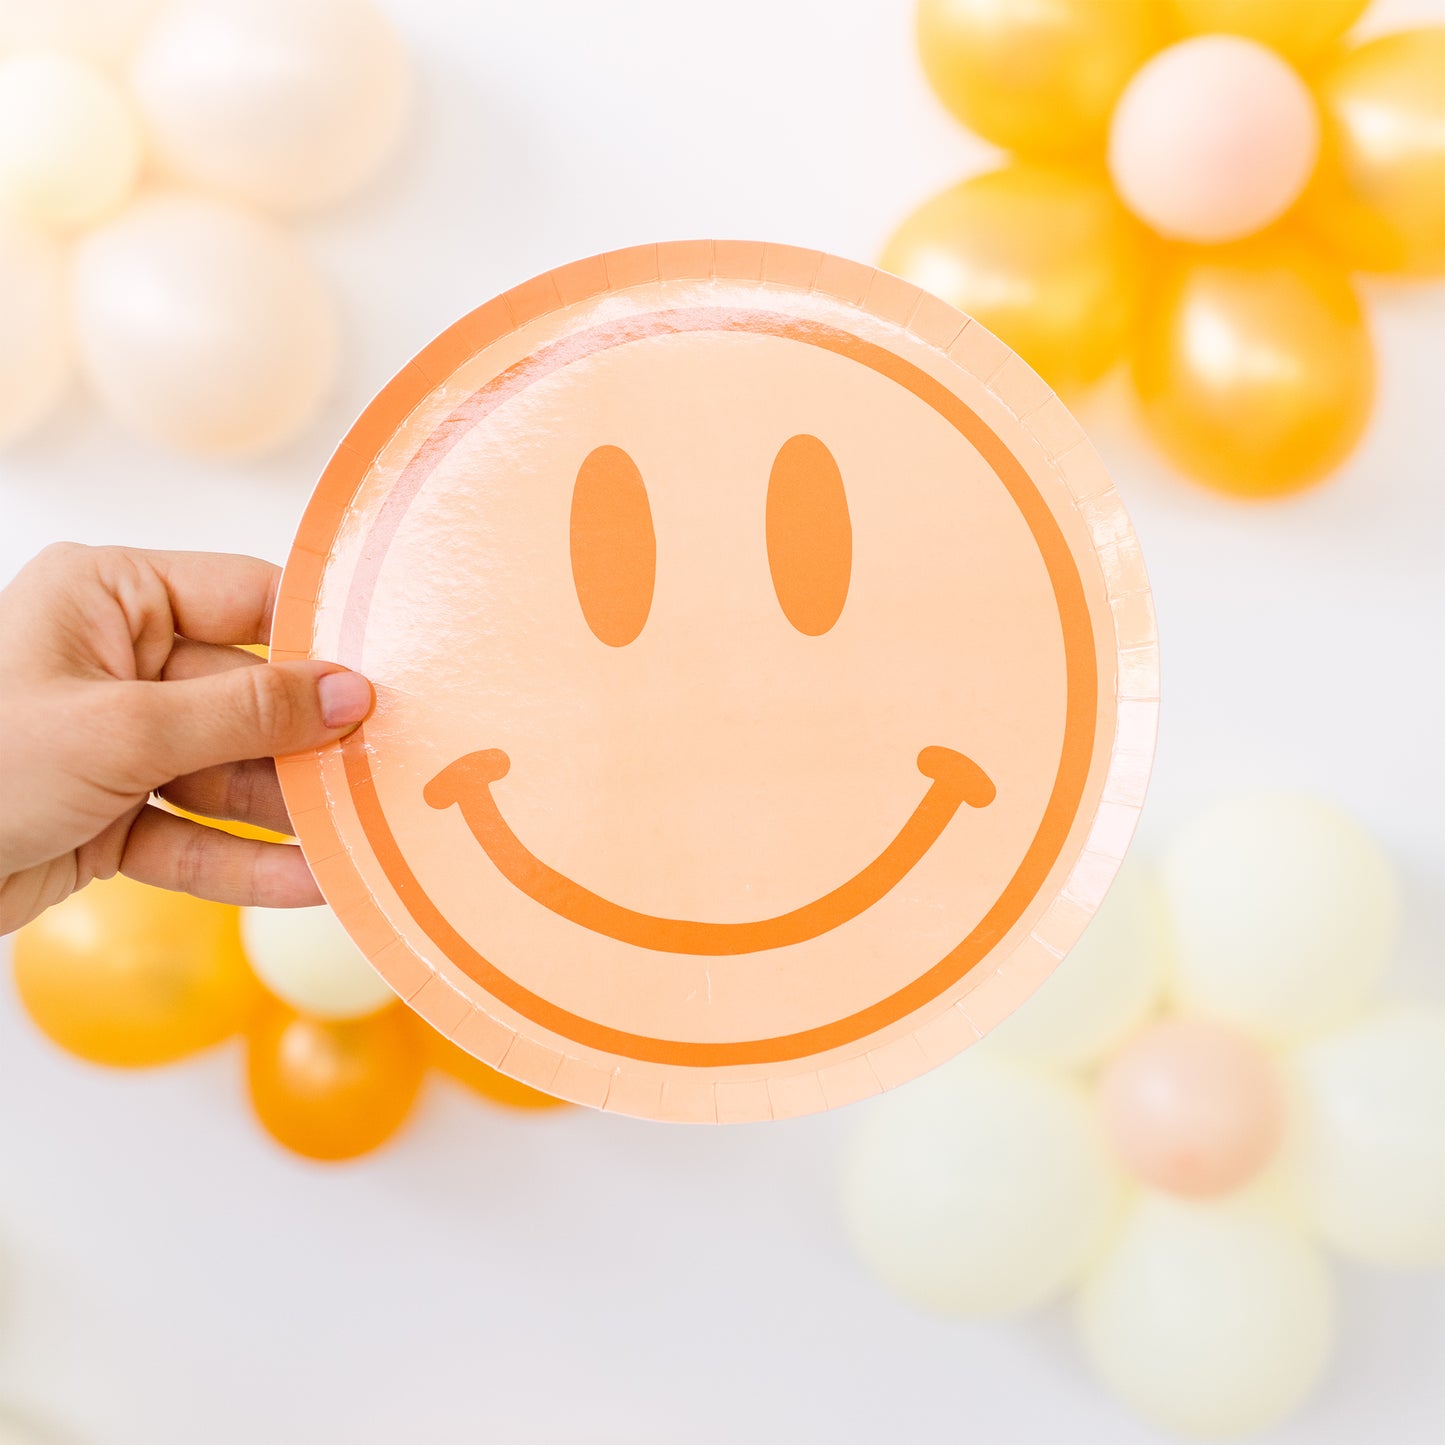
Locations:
(1047, 259)
(485, 1080)
(124, 974)
(1296, 28)
(1039, 77)
(1378, 197)
(330, 1089)
(1254, 367)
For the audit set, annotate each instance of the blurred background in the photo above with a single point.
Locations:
(168, 1276)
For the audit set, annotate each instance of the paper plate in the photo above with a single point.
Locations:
(766, 681)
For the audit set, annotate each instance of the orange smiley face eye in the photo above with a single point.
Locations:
(810, 535)
(614, 548)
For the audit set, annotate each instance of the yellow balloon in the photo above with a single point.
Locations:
(1296, 28)
(1254, 366)
(1039, 78)
(1047, 259)
(124, 974)
(1378, 196)
(485, 1080)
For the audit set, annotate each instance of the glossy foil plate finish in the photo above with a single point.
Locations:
(766, 681)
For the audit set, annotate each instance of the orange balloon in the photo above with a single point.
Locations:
(1039, 78)
(124, 974)
(1254, 366)
(1378, 196)
(1047, 259)
(334, 1089)
(1298, 29)
(487, 1081)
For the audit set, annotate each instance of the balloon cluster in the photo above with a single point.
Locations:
(1200, 1097)
(128, 975)
(1192, 182)
(142, 158)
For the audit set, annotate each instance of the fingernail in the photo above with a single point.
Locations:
(345, 698)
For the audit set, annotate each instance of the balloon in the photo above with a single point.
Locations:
(1046, 259)
(235, 345)
(35, 339)
(1378, 198)
(1103, 990)
(306, 958)
(69, 145)
(1192, 1108)
(1213, 139)
(487, 1081)
(1284, 911)
(121, 973)
(291, 104)
(982, 1188)
(1208, 1319)
(1296, 28)
(333, 1090)
(103, 31)
(1039, 78)
(1254, 367)
(1369, 1152)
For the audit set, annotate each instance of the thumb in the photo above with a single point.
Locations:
(245, 712)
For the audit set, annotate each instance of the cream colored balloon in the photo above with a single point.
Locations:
(202, 326)
(982, 1188)
(1283, 913)
(70, 148)
(304, 956)
(1104, 989)
(290, 104)
(1208, 1318)
(104, 31)
(1367, 1155)
(34, 334)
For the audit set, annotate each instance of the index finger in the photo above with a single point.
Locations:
(218, 596)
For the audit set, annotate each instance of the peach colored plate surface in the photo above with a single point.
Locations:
(766, 681)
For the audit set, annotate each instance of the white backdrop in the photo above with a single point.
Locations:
(171, 1278)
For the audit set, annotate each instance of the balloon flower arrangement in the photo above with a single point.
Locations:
(1191, 183)
(128, 975)
(146, 161)
(1201, 1097)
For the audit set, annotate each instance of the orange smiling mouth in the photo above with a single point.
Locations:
(468, 783)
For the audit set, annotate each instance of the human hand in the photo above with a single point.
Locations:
(120, 677)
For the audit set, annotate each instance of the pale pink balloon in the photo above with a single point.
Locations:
(1192, 1107)
(1213, 139)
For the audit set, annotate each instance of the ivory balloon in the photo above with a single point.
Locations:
(1284, 912)
(1104, 989)
(306, 958)
(290, 104)
(124, 974)
(1369, 1153)
(70, 148)
(982, 1188)
(1297, 28)
(104, 31)
(1039, 78)
(334, 1090)
(1208, 1319)
(35, 338)
(1046, 259)
(201, 326)
(1378, 198)
(1254, 367)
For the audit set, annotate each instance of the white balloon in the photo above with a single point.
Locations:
(69, 144)
(202, 326)
(285, 103)
(981, 1188)
(34, 336)
(1208, 1318)
(1105, 988)
(1367, 1153)
(306, 958)
(1284, 912)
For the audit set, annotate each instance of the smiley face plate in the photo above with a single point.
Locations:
(766, 681)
